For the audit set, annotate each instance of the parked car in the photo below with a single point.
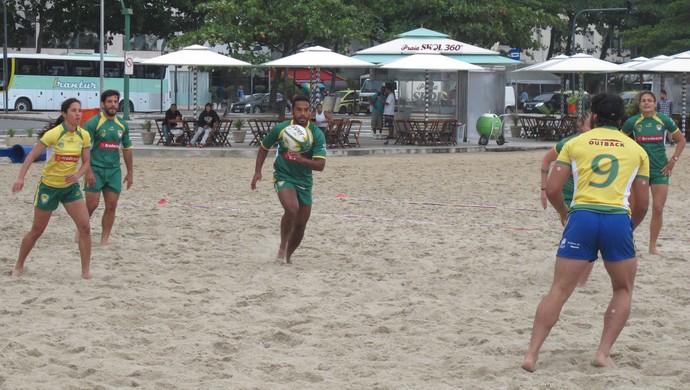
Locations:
(531, 106)
(347, 102)
(551, 102)
(257, 103)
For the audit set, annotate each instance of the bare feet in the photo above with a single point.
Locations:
(280, 257)
(529, 363)
(603, 361)
(653, 250)
(87, 275)
(16, 272)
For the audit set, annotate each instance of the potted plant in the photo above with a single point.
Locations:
(515, 130)
(238, 134)
(147, 135)
(14, 139)
(572, 103)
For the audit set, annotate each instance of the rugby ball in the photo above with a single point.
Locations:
(296, 139)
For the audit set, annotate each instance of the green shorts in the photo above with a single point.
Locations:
(655, 177)
(303, 193)
(107, 179)
(49, 198)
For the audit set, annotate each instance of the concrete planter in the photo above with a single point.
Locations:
(21, 140)
(515, 131)
(148, 137)
(238, 136)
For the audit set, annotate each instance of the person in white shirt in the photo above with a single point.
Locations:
(321, 117)
(389, 111)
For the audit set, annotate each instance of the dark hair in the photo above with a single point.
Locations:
(663, 91)
(299, 98)
(64, 107)
(609, 109)
(208, 105)
(638, 98)
(108, 93)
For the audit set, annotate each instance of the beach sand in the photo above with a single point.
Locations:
(416, 271)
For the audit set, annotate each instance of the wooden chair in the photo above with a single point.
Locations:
(221, 130)
(334, 133)
(354, 134)
(259, 129)
(161, 135)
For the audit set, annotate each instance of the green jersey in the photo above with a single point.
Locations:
(283, 168)
(569, 185)
(107, 135)
(650, 133)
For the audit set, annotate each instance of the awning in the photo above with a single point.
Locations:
(477, 59)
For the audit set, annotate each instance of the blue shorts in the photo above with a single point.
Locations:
(587, 233)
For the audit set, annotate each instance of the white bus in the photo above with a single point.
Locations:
(44, 81)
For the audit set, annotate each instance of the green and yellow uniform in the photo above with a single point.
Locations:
(66, 150)
(604, 163)
(287, 173)
(107, 135)
(650, 133)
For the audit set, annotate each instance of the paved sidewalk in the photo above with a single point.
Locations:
(369, 146)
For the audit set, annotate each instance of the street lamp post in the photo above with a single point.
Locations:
(5, 68)
(125, 99)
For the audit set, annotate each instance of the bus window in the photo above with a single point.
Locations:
(155, 72)
(27, 66)
(54, 68)
(82, 68)
(113, 69)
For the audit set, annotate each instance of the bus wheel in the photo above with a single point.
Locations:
(22, 104)
(121, 107)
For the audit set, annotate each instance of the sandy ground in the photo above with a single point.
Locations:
(425, 275)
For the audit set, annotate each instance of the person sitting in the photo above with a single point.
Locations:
(321, 117)
(172, 116)
(207, 121)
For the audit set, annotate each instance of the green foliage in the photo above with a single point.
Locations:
(238, 123)
(11, 133)
(30, 132)
(657, 29)
(147, 125)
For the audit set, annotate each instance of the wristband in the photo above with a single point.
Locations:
(544, 171)
(543, 189)
(674, 158)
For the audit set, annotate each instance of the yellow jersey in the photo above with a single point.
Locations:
(604, 163)
(67, 147)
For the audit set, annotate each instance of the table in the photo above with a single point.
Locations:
(548, 128)
(177, 141)
(426, 133)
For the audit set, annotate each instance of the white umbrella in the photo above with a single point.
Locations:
(583, 63)
(679, 64)
(549, 62)
(195, 56)
(427, 61)
(315, 58)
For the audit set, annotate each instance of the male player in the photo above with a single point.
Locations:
(292, 177)
(108, 134)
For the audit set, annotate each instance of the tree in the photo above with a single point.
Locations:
(64, 18)
(657, 28)
(245, 26)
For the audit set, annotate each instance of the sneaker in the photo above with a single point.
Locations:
(190, 145)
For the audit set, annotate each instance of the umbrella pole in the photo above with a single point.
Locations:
(312, 106)
(196, 70)
(317, 89)
(684, 97)
(581, 100)
(426, 95)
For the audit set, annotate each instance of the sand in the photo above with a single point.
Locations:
(417, 271)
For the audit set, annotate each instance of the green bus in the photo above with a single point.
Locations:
(44, 81)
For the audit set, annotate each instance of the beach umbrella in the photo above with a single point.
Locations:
(429, 61)
(549, 62)
(679, 64)
(580, 64)
(195, 56)
(315, 58)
